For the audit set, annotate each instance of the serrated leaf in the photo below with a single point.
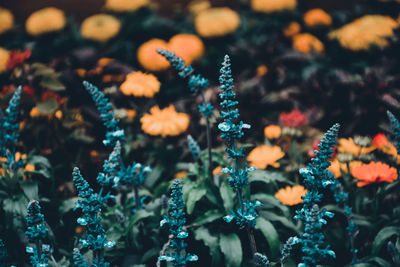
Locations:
(382, 237)
(270, 233)
(231, 247)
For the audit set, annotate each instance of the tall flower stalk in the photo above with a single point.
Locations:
(197, 84)
(316, 178)
(176, 221)
(91, 204)
(8, 123)
(231, 131)
(36, 233)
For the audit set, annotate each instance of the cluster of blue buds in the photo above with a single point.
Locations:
(36, 233)
(8, 123)
(114, 133)
(395, 127)
(288, 247)
(111, 167)
(316, 178)
(231, 131)
(196, 83)
(193, 147)
(3, 254)
(176, 221)
(261, 260)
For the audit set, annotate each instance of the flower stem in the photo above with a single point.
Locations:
(209, 145)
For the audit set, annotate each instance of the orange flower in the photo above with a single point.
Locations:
(4, 55)
(291, 195)
(104, 61)
(196, 6)
(49, 19)
(380, 141)
(180, 174)
(317, 17)
(262, 70)
(269, 6)
(217, 21)
(6, 20)
(265, 155)
(140, 84)
(374, 172)
(100, 27)
(149, 58)
(348, 146)
(165, 122)
(34, 112)
(29, 167)
(218, 171)
(272, 131)
(125, 5)
(306, 43)
(364, 32)
(131, 113)
(188, 46)
(292, 29)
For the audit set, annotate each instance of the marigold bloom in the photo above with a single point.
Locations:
(265, 155)
(364, 32)
(337, 167)
(100, 27)
(140, 84)
(4, 55)
(374, 172)
(180, 175)
(262, 70)
(347, 145)
(188, 46)
(49, 19)
(165, 122)
(307, 43)
(218, 21)
(149, 58)
(34, 112)
(58, 114)
(380, 141)
(272, 131)
(196, 6)
(125, 5)
(291, 195)
(131, 113)
(29, 167)
(218, 171)
(269, 6)
(317, 17)
(6, 20)
(292, 29)
(294, 118)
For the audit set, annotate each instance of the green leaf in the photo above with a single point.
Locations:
(30, 189)
(208, 217)
(140, 215)
(209, 240)
(52, 82)
(382, 237)
(153, 176)
(195, 195)
(227, 196)
(68, 205)
(270, 233)
(268, 177)
(48, 107)
(231, 247)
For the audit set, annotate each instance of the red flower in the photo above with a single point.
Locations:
(292, 119)
(374, 172)
(17, 58)
(49, 94)
(314, 146)
(380, 140)
(11, 88)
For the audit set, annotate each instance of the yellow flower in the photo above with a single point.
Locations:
(6, 20)
(348, 146)
(196, 6)
(306, 43)
(292, 29)
(218, 21)
(291, 195)
(49, 19)
(131, 113)
(317, 17)
(188, 46)
(100, 27)
(265, 155)
(140, 84)
(149, 58)
(272, 131)
(364, 32)
(269, 6)
(180, 174)
(4, 54)
(165, 122)
(125, 5)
